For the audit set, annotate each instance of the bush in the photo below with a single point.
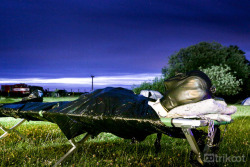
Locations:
(224, 81)
(157, 84)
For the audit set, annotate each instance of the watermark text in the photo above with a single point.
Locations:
(223, 158)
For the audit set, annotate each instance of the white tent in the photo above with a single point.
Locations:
(151, 94)
(246, 102)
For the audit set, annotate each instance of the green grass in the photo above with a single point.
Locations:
(45, 99)
(9, 100)
(47, 144)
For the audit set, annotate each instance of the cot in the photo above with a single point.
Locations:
(186, 125)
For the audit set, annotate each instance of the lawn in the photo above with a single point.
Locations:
(45, 99)
(47, 144)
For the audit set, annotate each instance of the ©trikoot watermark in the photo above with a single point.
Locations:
(223, 158)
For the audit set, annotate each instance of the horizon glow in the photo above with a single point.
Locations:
(99, 81)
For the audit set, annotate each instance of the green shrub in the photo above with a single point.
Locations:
(224, 81)
(157, 84)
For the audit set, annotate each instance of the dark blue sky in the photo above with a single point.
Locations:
(76, 38)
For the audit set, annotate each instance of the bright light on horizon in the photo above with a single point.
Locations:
(100, 81)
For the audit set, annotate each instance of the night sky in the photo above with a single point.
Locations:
(121, 42)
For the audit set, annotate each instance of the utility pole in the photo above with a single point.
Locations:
(92, 76)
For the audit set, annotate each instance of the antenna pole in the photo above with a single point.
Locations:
(92, 76)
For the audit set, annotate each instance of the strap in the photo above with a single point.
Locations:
(159, 109)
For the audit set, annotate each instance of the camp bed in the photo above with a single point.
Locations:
(185, 124)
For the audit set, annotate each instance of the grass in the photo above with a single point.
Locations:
(45, 99)
(47, 144)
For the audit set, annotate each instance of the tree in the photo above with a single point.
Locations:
(205, 55)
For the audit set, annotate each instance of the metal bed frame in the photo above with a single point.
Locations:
(185, 124)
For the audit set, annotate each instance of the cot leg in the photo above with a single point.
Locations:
(133, 140)
(12, 129)
(3, 135)
(158, 143)
(192, 142)
(73, 149)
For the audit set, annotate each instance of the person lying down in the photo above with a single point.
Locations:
(190, 96)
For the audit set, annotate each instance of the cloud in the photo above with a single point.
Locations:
(99, 81)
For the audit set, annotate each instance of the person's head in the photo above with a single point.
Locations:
(186, 88)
